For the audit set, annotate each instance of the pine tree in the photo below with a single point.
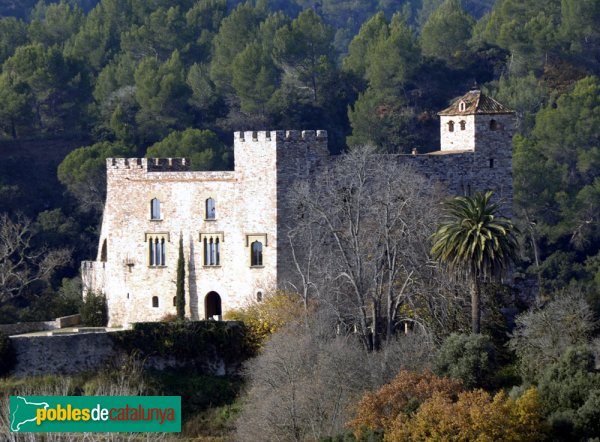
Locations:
(180, 293)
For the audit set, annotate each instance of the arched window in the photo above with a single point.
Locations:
(463, 125)
(494, 125)
(462, 106)
(157, 251)
(211, 212)
(212, 251)
(450, 126)
(154, 208)
(259, 296)
(256, 256)
(155, 301)
(174, 301)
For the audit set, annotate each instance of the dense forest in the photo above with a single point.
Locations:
(83, 80)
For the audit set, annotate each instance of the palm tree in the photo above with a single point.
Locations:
(476, 243)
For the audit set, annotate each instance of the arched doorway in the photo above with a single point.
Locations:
(212, 306)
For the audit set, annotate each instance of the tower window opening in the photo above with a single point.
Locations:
(259, 296)
(154, 208)
(256, 254)
(211, 212)
(491, 163)
(462, 106)
(155, 301)
(494, 125)
(463, 125)
(450, 126)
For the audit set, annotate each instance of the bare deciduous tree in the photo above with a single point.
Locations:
(360, 242)
(22, 264)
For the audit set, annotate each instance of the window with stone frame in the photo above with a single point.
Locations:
(256, 254)
(211, 248)
(255, 243)
(157, 249)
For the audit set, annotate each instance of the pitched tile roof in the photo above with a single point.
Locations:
(476, 103)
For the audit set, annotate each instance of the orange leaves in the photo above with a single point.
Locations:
(417, 407)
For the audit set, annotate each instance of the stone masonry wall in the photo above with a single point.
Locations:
(41, 355)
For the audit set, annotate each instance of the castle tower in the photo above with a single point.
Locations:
(479, 124)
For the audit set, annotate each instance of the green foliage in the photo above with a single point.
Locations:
(94, 312)
(55, 23)
(162, 94)
(306, 48)
(83, 171)
(187, 340)
(447, 31)
(470, 358)
(7, 355)
(556, 183)
(202, 147)
(476, 242)
(180, 291)
(570, 394)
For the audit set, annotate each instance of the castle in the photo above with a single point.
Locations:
(232, 222)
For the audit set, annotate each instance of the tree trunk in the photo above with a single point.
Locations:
(475, 306)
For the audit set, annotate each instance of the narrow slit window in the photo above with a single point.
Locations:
(155, 209)
(211, 212)
(206, 252)
(491, 163)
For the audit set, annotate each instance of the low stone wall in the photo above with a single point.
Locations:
(31, 327)
(209, 347)
(56, 354)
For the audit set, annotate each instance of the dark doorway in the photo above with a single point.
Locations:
(212, 305)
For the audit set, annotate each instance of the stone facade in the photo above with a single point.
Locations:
(475, 155)
(246, 211)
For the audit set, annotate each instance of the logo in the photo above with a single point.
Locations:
(92, 414)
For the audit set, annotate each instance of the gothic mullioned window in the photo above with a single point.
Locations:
(212, 252)
(211, 245)
(256, 254)
(450, 126)
(211, 212)
(157, 249)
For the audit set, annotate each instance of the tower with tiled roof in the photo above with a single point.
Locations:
(470, 120)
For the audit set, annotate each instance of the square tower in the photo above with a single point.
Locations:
(473, 119)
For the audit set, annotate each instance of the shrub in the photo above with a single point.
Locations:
(94, 312)
(468, 357)
(7, 355)
(475, 415)
(400, 398)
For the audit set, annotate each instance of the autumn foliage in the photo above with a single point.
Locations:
(396, 400)
(271, 314)
(422, 406)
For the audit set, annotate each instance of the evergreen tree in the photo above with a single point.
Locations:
(447, 31)
(180, 292)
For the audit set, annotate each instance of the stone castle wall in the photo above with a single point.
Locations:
(251, 205)
(246, 202)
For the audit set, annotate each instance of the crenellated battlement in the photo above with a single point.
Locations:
(280, 135)
(150, 164)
